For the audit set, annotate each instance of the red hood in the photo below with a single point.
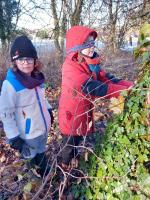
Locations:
(77, 35)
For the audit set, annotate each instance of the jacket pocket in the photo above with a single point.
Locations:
(27, 125)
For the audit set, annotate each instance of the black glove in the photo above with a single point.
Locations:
(51, 114)
(25, 152)
(112, 78)
(42, 163)
(17, 143)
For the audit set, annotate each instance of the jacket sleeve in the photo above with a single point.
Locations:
(102, 76)
(110, 78)
(126, 83)
(8, 109)
(107, 77)
(102, 89)
(95, 88)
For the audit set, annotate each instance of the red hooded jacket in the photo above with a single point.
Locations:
(75, 107)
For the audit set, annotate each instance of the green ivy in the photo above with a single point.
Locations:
(120, 173)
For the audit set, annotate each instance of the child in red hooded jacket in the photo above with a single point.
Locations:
(83, 80)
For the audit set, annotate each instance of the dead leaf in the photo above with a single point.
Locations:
(59, 137)
(35, 173)
(98, 116)
(26, 196)
(117, 105)
(70, 197)
(2, 158)
(79, 180)
(146, 137)
(74, 163)
(148, 98)
(35, 185)
(63, 197)
(20, 177)
(86, 156)
(90, 125)
(14, 198)
(79, 129)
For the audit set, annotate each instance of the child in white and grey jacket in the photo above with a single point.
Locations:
(24, 110)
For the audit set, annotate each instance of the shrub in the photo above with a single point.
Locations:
(122, 172)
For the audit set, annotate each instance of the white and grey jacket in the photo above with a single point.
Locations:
(24, 112)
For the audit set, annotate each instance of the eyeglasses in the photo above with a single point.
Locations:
(28, 60)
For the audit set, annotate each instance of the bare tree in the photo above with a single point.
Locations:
(76, 12)
(121, 15)
(112, 17)
(67, 14)
(9, 12)
(143, 12)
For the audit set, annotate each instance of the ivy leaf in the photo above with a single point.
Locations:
(146, 56)
(89, 194)
(145, 30)
(142, 158)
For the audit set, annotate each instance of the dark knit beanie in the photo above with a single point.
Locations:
(22, 47)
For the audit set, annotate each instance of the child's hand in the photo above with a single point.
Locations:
(25, 151)
(17, 143)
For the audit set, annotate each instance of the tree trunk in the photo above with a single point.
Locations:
(2, 28)
(66, 15)
(75, 18)
(56, 30)
(112, 38)
(145, 12)
(112, 27)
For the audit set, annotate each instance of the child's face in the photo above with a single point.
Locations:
(89, 51)
(25, 65)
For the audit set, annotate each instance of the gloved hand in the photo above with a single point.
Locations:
(51, 114)
(112, 78)
(25, 153)
(20, 145)
(17, 143)
(42, 162)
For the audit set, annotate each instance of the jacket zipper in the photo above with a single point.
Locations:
(39, 102)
